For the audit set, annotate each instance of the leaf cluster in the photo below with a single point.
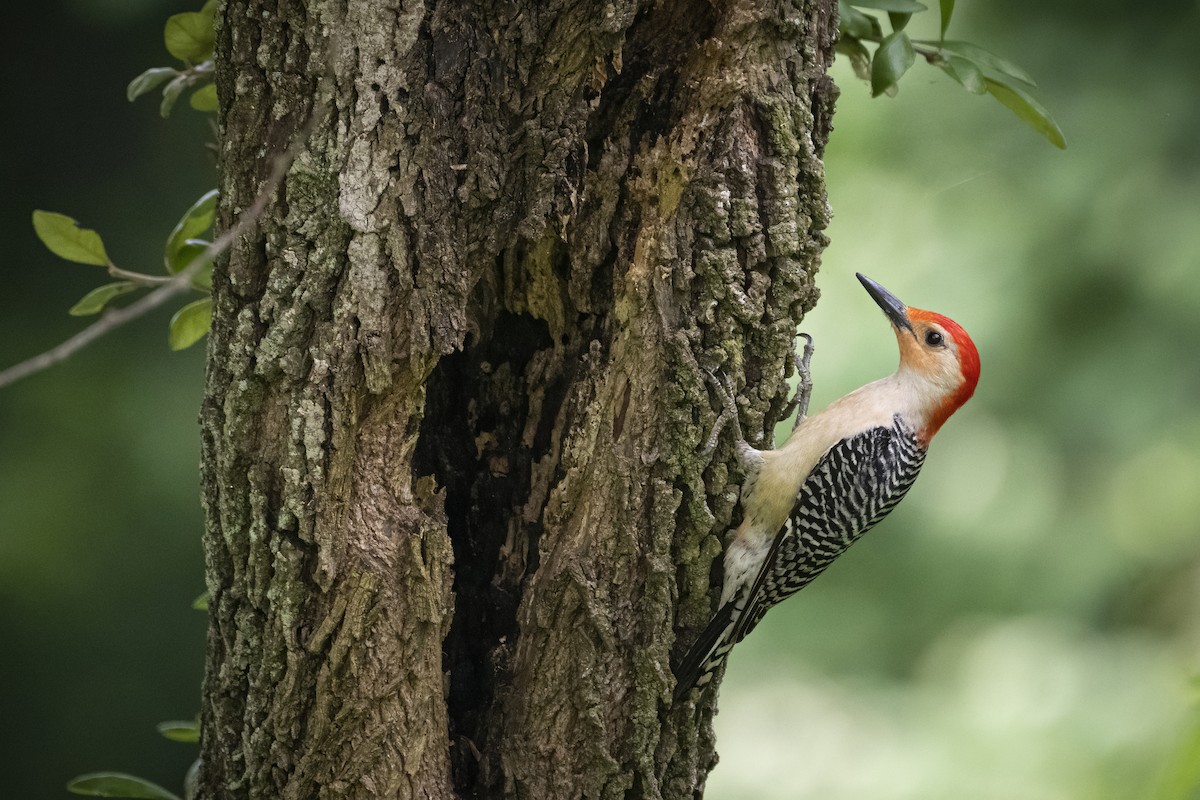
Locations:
(65, 238)
(977, 70)
(188, 37)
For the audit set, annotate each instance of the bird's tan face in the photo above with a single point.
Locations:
(930, 351)
(942, 361)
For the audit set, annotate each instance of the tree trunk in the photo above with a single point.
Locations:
(457, 522)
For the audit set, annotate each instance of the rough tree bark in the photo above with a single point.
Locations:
(457, 523)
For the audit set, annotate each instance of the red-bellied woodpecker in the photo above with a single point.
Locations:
(841, 471)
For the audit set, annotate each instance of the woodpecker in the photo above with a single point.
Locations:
(839, 473)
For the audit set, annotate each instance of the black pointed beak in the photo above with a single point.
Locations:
(896, 311)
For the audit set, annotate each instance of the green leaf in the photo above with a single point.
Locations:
(852, 22)
(899, 20)
(860, 57)
(898, 6)
(947, 9)
(189, 324)
(118, 784)
(63, 237)
(195, 221)
(893, 58)
(1029, 110)
(191, 781)
(171, 94)
(187, 731)
(202, 280)
(201, 602)
(148, 80)
(190, 36)
(191, 250)
(94, 301)
(204, 98)
(965, 73)
(982, 58)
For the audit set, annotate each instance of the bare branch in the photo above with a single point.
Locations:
(182, 280)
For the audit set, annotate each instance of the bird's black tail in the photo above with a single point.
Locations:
(707, 654)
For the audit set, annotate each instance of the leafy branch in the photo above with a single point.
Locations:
(65, 238)
(189, 37)
(187, 257)
(977, 70)
(191, 322)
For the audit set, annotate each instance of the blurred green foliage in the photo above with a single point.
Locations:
(1024, 626)
(99, 513)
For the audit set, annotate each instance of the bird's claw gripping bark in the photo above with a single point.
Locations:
(799, 401)
(724, 390)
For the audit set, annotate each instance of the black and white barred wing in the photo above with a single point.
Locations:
(854, 485)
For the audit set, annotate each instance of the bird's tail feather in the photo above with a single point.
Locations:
(707, 654)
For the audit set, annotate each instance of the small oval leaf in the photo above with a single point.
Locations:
(893, 58)
(148, 80)
(897, 6)
(118, 784)
(1028, 110)
(202, 281)
(190, 251)
(189, 324)
(187, 731)
(854, 23)
(899, 20)
(189, 36)
(204, 98)
(195, 221)
(985, 59)
(94, 301)
(947, 9)
(965, 73)
(201, 602)
(63, 237)
(191, 781)
(860, 57)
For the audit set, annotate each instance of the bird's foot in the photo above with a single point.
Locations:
(799, 402)
(724, 390)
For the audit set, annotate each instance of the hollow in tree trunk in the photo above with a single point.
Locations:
(457, 522)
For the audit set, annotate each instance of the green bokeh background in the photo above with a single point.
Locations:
(1025, 626)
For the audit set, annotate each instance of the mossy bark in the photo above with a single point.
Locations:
(457, 523)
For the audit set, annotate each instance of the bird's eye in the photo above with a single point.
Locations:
(933, 338)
